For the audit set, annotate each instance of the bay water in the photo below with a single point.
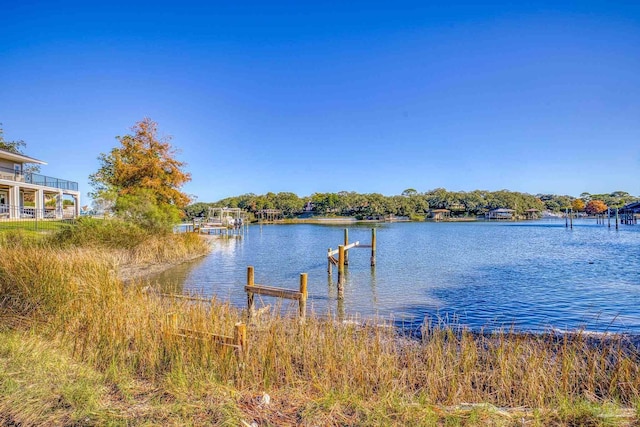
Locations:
(527, 276)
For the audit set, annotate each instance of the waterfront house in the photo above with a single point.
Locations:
(630, 213)
(500, 214)
(440, 214)
(23, 193)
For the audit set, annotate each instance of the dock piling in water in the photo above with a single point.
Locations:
(571, 219)
(373, 247)
(346, 243)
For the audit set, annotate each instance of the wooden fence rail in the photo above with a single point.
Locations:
(252, 289)
(238, 341)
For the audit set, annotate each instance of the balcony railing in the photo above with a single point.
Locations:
(37, 179)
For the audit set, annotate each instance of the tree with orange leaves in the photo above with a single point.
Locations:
(142, 177)
(577, 205)
(595, 207)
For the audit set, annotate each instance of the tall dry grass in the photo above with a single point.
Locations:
(326, 370)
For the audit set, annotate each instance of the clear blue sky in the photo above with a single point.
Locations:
(539, 97)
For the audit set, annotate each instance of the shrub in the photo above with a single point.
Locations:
(112, 233)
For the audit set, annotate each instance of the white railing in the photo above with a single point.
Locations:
(13, 212)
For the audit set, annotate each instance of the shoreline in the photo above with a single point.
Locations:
(130, 271)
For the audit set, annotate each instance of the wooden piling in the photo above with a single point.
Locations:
(240, 339)
(346, 243)
(616, 218)
(340, 271)
(329, 263)
(250, 301)
(571, 219)
(373, 247)
(566, 218)
(172, 322)
(609, 217)
(303, 297)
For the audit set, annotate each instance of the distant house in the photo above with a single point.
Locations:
(269, 215)
(630, 213)
(440, 214)
(308, 207)
(23, 193)
(500, 214)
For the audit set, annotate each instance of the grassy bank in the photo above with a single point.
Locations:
(77, 346)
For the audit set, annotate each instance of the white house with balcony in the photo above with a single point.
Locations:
(23, 193)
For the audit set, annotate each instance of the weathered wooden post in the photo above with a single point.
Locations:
(329, 263)
(346, 243)
(250, 302)
(171, 325)
(240, 339)
(172, 322)
(616, 218)
(566, 217)
(340, 271)
(609, 217)
(373, 247)
(571, 219)
(303, 297)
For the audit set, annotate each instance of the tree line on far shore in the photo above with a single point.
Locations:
(412, 203)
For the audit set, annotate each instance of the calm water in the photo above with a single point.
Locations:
(532, 276)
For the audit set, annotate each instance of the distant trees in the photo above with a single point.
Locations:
(142, 178)
(577, 205)
(616, 199)
(409, 203)
(595, 207)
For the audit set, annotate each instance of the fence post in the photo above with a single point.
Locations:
(329, 263)
(303, 297)
(250, 282)
(240, 338)
(171, 325)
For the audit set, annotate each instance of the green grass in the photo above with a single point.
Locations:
(33, 225)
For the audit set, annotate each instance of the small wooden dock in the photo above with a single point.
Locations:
(343, 257)
(253, 289)
(222, 222)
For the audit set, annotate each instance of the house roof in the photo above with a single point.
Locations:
(16, 157)
(440, 210)
(634, 205)
(502, 210)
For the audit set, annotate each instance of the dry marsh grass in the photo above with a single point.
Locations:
(73, 308)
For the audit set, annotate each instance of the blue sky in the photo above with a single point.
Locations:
(320, 97)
